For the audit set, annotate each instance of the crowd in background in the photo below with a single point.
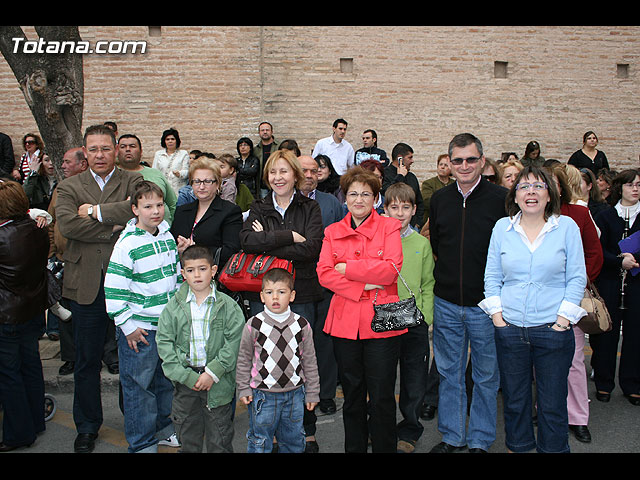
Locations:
(347, 218)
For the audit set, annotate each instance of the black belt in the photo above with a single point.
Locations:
(197, 369)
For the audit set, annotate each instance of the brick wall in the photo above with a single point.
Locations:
(419, 85)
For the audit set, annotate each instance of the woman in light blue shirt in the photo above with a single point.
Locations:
(534, 281)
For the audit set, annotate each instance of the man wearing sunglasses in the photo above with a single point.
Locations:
(462, 216)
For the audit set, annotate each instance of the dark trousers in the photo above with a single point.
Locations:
(90, 326)
(21, 382)
(414, 365)
(368, 367)
(605, 345)
(327, 367)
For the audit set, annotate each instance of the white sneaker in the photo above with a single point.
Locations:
(172, 441)
(61, 312)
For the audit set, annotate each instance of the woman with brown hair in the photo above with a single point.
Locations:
(621, 293)
(24, 248)
(357, 264)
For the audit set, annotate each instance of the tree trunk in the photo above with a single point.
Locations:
(52, 85)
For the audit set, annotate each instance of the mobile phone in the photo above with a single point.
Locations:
(400, 161)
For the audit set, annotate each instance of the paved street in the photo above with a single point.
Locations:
(614, 426)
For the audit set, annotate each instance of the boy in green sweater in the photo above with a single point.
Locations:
(198, 338)
(417, 271)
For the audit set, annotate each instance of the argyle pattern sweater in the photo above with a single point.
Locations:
(277, 357)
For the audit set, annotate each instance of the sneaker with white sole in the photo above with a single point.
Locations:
(172, 441)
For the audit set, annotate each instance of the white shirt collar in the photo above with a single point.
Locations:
(465, 195)
(99, 179)
(550, 224)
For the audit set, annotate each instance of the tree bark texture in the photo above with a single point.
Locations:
(52, 85)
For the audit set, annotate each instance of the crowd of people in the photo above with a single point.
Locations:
(120, 261)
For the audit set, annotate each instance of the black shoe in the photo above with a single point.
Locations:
(9, 448)
(311, 447)
(603, 396)
(327, 406)
(477, 450)
(428, 412)
(443, 447)
(66, 368)
(85, 442)
(633, 400)
(581, 433)
(114, 369)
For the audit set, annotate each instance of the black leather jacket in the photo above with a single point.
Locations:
(23, 262)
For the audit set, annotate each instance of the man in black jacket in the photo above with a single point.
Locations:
(462, 217)
(399, 171)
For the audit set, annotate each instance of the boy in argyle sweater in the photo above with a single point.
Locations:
(277, 372)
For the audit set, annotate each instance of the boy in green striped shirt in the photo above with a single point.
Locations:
(141, 278)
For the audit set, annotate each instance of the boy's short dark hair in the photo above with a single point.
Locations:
(399, 192)
(197, 252)
(143, 189)
(278, 275)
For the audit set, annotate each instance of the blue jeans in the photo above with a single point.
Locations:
(147, 394)
(521, 352)
(279, 415)
(21, 382)
(456, 328)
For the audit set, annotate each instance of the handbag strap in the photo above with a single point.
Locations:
(401, 278)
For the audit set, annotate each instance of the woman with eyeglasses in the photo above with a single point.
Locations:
(357, 263)
(619, 286)
(589, 156)
(209, 220)
(33, 146)
(534, 282)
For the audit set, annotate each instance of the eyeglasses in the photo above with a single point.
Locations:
(29, 142)
(469, 160)
(100, 149)
(536, 186)
(207, 181)
(632, 185)
(364, 195)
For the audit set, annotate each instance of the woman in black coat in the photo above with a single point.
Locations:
(293, 231)
(210, 220)
(24, 248)
(248, 170)
(615, 223)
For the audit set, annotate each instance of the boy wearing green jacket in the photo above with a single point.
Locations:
(198, 338)
(417, 271)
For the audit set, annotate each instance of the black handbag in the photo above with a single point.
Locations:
(396, 315)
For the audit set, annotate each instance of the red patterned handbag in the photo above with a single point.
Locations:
(244, 271)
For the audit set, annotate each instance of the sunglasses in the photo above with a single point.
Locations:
(469, 160)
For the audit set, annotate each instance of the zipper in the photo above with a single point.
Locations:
(464, 206)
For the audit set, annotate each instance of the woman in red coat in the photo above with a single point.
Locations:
(356, 261)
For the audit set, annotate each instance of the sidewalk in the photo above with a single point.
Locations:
(50, 356)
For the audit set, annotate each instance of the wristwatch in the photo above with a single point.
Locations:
(90, 210)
